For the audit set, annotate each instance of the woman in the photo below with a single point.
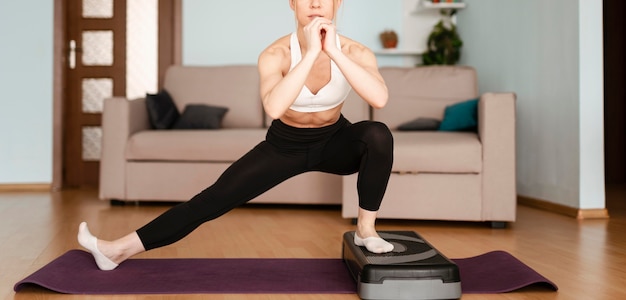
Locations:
(304, 79)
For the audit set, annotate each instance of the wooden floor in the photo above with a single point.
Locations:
(586, 259)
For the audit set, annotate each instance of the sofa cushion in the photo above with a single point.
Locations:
(235, 87)
(424, 92)
(162, 111)
(201, 116)
(462, 116)
(224, 145)
(436, 152)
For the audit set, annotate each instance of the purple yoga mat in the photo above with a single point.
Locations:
(75, 272)
(497, 272)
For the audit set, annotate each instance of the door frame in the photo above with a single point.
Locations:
(169, 43)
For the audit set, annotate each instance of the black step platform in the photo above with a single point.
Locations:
(413, 270)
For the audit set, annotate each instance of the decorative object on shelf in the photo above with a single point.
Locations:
(389, 39)
(444, 43)
(445, 1)
(445, 6)
(442, 5)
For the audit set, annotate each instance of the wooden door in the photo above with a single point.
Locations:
(96, 69)
(106, 46)
(614, 92)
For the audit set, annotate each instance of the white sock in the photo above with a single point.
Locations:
(373, 244)
(87, 240)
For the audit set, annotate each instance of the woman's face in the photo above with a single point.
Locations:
(307, 10)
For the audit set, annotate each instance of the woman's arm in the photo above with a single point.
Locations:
(278, 90)
(359, 67)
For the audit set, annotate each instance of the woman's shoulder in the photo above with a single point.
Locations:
(277, 54)
(279, 47)
(353, 48)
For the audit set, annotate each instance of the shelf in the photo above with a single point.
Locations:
(399, 52)
(427, 5)
(442, 5)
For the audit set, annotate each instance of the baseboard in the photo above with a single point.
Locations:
(592, 214)
(28, 187)
(601, 213)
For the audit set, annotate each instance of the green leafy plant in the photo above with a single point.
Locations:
(444, 44)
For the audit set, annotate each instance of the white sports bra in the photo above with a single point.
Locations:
(329, 96)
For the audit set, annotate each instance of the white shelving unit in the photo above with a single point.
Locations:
(441, 5)
(427, 6)
(418, 19)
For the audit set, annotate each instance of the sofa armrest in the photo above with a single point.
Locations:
(496, 129)
(120, 119)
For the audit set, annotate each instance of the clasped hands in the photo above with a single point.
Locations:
(316, 32)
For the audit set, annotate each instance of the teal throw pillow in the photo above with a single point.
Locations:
(462, 116)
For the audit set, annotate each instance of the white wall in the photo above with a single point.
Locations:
(235, 32)
(26, 85)
(550, 54)
(591, 109)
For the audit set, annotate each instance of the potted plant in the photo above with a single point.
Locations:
(389, 39)
(444, 43)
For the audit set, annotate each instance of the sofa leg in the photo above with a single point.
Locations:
(353, 221)
(115, 202)
(498, 224)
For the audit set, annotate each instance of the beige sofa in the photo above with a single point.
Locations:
(445, 175)
(436, 175)
(140, 164)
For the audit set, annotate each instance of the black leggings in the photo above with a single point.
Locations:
(342, 148)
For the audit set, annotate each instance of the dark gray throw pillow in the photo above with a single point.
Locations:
(201, 116)
(162, 111)
(420, 124)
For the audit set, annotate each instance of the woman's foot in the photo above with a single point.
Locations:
(366, 234)
(373, 244)
(90, 242)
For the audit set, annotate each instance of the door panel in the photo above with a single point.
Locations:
(96, 69)
(111, 48)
